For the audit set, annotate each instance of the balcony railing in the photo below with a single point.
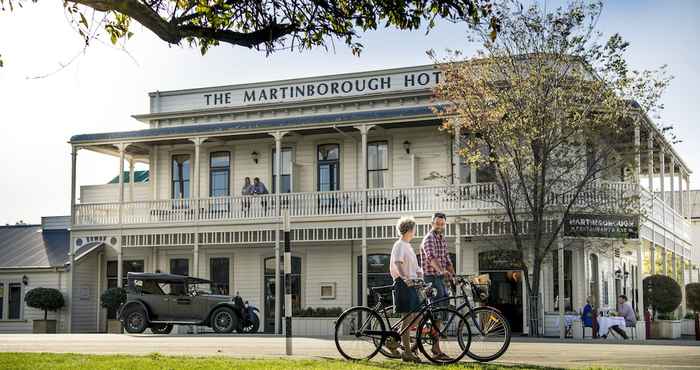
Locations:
(663, 214)
(415, 200)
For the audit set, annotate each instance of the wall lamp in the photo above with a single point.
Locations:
(25, 280)
(407, 146)
(618, 274)
(254, 156)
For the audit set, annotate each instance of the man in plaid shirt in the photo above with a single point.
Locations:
(436, 264)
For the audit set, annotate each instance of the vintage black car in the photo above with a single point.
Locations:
(158, 301)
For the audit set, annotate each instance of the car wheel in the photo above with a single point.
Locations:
(223, 320)
(135, 321)
(252, 326)
(161, 328)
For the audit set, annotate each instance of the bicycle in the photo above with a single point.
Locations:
(360, 332)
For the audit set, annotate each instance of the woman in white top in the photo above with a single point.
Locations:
(404, 265)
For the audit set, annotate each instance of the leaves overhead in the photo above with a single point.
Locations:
(267, 25)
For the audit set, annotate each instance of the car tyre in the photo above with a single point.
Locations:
(135, 321)
(253, 325)
(161, 328)
(223, 320)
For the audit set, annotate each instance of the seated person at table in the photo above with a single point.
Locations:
(624, 308)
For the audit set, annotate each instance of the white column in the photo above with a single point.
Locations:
(458, 246)
(131, 179)
(195, 202)
(673, 182)
(662, 172)
(561, 291)
(640, 278)
(73, 184)
(364, 129)
(637, 157)
(120, 268)
(152, 170)
(456, 168)
(680, 201)
(689, 208)
(650, 161)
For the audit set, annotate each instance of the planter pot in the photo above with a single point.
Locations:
(44, 327)
(666, 329)
(688, 327)
(114, 327)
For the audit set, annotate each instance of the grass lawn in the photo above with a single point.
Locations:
(38, 361)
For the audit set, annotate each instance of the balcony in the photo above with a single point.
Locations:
(464, 198)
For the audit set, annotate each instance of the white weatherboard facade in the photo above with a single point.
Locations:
(358, 151)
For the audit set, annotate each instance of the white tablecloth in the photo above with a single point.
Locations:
(604, 323)
(568, 320)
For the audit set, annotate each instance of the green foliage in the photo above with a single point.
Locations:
(268, 25)
(318, 312)
(113, 298)
(662, 293)
(46, 299)
(692, 296)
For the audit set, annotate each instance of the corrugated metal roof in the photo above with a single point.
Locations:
(28, 246)
(139, 176)
(266, 123)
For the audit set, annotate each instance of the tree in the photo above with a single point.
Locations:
(46, 299)
(264, 25)
(692, 296)
(547, 110)
(661, 293)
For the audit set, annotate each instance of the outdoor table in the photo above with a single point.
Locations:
(604, 323)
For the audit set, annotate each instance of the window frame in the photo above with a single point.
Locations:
(228, 273)
(213, 170)
(173, 258)
(320, 162)
(5, 296)
(185, 184)
(384, 170)
(273, 186)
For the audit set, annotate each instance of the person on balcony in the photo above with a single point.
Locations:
(258, 188)
(246, 190)
(403, 267)
(437, 266)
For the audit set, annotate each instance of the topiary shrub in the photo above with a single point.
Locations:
(113, 298)
(662, 293)
(46, 299)
(692, 296)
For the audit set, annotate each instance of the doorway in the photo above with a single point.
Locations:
(269, 290)
(506, 291)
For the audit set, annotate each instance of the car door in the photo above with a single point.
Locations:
(156, 300)
(182, 305)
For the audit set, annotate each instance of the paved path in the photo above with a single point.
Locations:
(534, 352)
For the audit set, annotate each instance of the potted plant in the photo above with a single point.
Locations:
(112, 299)
(692, 302)
(46, 299)
(663, 295)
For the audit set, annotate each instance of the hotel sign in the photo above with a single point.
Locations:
(297, 90)
(601, 226)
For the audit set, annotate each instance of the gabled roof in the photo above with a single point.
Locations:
(27, 246)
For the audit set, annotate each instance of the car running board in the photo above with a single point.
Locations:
(177, 322)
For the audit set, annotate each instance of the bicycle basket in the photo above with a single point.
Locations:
(480, 287)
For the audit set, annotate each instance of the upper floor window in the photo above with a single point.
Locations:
(328, 156)
(286, 178)
(181, 176)
(377, 164)
(220, 174)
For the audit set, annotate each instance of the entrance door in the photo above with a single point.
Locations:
(506, 295)
(269, 290)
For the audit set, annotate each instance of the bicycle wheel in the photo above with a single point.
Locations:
(358, 333)
(443, 329)
(490, 335)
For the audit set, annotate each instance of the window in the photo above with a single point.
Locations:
(219, 174)
(180, 266)
(328, 156)
(377, 164)
(219, 275)
(2, 300)
(377, 275)
(486, 172)
(568, 268)
(286, 179)
(127, 267)
(270, 278)
(14, 301)
(181, 176)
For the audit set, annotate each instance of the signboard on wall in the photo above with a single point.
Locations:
(601, 226)
(297, 90)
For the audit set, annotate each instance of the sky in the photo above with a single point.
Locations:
(43, 104)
